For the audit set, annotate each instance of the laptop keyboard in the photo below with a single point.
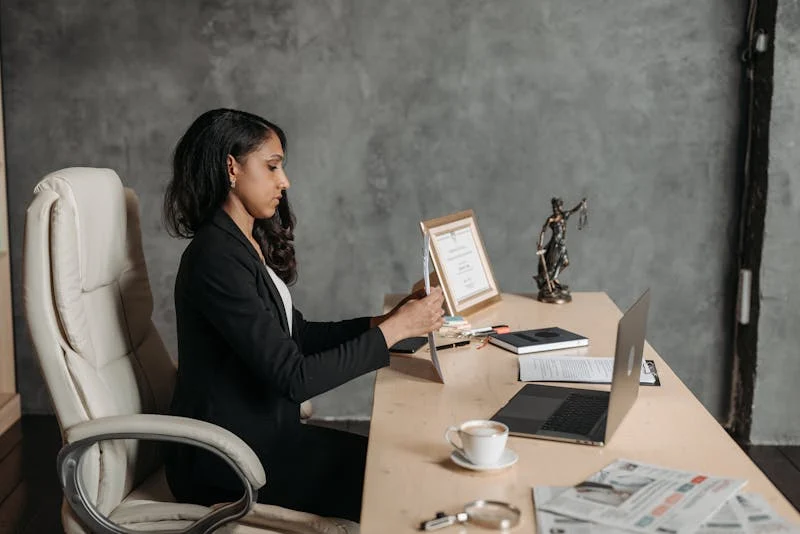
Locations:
(577, 414)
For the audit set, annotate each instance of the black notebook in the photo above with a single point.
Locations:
(541, 339)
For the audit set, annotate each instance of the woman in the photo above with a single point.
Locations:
(247, 358)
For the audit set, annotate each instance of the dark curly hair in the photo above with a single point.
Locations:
(200, 182)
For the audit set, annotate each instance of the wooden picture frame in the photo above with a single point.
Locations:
(461, 264)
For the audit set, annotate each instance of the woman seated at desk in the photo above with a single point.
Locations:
(247, 358)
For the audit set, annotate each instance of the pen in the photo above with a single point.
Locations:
(453, 344)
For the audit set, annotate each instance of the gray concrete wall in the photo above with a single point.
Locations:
(776, 419)
(399, 111)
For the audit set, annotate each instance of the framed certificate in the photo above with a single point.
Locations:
(461, 263)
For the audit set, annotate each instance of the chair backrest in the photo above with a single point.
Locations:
(88, 306)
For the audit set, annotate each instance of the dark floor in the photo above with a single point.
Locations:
(782, 466)
(30, 496)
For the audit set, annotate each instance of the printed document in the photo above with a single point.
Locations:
(754, 515)
(742, 514)
(645, 498)
(533, 368)
(426, 270)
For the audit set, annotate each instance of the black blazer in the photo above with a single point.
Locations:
(238, 365)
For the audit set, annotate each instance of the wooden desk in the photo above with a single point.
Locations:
(409, 475)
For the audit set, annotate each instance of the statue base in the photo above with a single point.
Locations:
(554, 297)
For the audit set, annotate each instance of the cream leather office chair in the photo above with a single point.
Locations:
(88, 306)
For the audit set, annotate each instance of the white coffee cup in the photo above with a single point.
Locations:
(482, 441)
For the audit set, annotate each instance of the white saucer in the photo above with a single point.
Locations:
(507, 459)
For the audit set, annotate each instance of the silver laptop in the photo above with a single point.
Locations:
(581, 415)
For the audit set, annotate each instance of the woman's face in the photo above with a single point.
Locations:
(259, 180)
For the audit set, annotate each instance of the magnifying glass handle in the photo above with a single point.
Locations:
(443, 521)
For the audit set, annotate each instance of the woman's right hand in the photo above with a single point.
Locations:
(415, 318)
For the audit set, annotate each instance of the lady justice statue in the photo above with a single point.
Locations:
(553, 258)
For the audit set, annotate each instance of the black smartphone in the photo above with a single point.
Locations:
(409, 345)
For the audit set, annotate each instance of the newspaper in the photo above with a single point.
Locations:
(537, 368)
(551, 523)
(757, 516)
(645, 498)
(742, 514)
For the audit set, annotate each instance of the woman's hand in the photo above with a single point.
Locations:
(414, 317)
(416, 295)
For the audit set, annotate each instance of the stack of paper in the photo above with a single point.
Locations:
(634, 497)
(535, 368)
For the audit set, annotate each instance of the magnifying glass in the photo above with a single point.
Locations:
(496, 515)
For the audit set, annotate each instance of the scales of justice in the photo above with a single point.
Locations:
(553, 258)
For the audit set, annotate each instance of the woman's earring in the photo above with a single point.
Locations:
(233, 183)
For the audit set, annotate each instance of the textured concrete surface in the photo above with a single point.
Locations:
(776, 419)
(399, 111)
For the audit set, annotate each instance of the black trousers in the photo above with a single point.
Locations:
(321, 473)
(313, 469)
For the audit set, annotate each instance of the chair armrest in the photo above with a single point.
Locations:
(178, 429)
(235, 452)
